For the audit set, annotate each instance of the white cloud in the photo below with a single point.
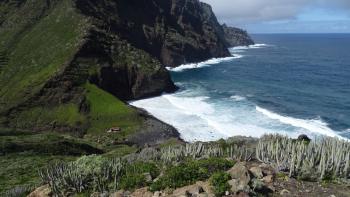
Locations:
(255, 11)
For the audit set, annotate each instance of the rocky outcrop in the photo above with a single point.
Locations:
(173, 31)
(236, 37)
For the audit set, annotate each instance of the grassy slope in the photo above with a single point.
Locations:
(37, 49)
(38, 54)
(107, 111)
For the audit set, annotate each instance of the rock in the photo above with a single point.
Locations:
(148, 177)
(227, 193)
(240, 173)
(43, 191)
(240, 178)
(236, 37)
(142, 192)
(271, 188)
(206, 187)
(284, 192)
(257, 172)
(304, 137)
(268, 179)
(188, 190)
(157, 194)
(267, 169)
(237, 186)
(120, 193)
(241, 194)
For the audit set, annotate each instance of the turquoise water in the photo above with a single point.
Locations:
(289, 84)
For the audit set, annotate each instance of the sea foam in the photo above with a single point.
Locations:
(204, 64)
(198, 119)
(314, 126)
(235, 52)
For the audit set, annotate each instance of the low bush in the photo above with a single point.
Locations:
(134, 175)
(189, 172)
(219, 181)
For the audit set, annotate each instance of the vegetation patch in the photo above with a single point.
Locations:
(189, 172)
(37, 55)
(219, 181)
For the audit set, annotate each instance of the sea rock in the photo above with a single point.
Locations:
(236, 37)
(257, 172)
(43, 191)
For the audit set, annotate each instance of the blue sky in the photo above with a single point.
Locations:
(285, 16)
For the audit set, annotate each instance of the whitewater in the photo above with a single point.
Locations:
(200, 116)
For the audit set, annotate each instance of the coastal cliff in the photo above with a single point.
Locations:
(57, 55)
(236, 37)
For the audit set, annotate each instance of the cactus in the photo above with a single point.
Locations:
(323, 156)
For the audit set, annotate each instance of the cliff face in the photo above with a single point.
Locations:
(172, 31)
(61, 60)
(236, 37)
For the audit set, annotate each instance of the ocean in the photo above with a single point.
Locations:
(290, 84)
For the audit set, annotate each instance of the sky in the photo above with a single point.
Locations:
(284, 16)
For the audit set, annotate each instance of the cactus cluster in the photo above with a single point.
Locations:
(103, 175)
(322, 158)
(65, 178)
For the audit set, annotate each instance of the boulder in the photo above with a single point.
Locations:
(142, 192)
(200, 189)
(267, 169)
(268, 179)
(257, 172)
(188, 190)
(240, 173)
(43, 191)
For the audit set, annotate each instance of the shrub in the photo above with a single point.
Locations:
(132, 181)
(134, 175)
(215, 164)
(219, 182)
(190, 171)
(142, 167)
(178, 176)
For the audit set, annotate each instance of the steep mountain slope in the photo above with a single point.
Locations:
(236, 37)
(64, 64)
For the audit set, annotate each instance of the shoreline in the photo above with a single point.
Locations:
(311, 127)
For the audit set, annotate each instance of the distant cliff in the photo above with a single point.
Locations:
(172, 31)
(236, 37)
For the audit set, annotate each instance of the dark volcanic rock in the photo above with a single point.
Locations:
(237, 37)
(173, 31)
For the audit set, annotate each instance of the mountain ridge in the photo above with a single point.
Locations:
(55, 53)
